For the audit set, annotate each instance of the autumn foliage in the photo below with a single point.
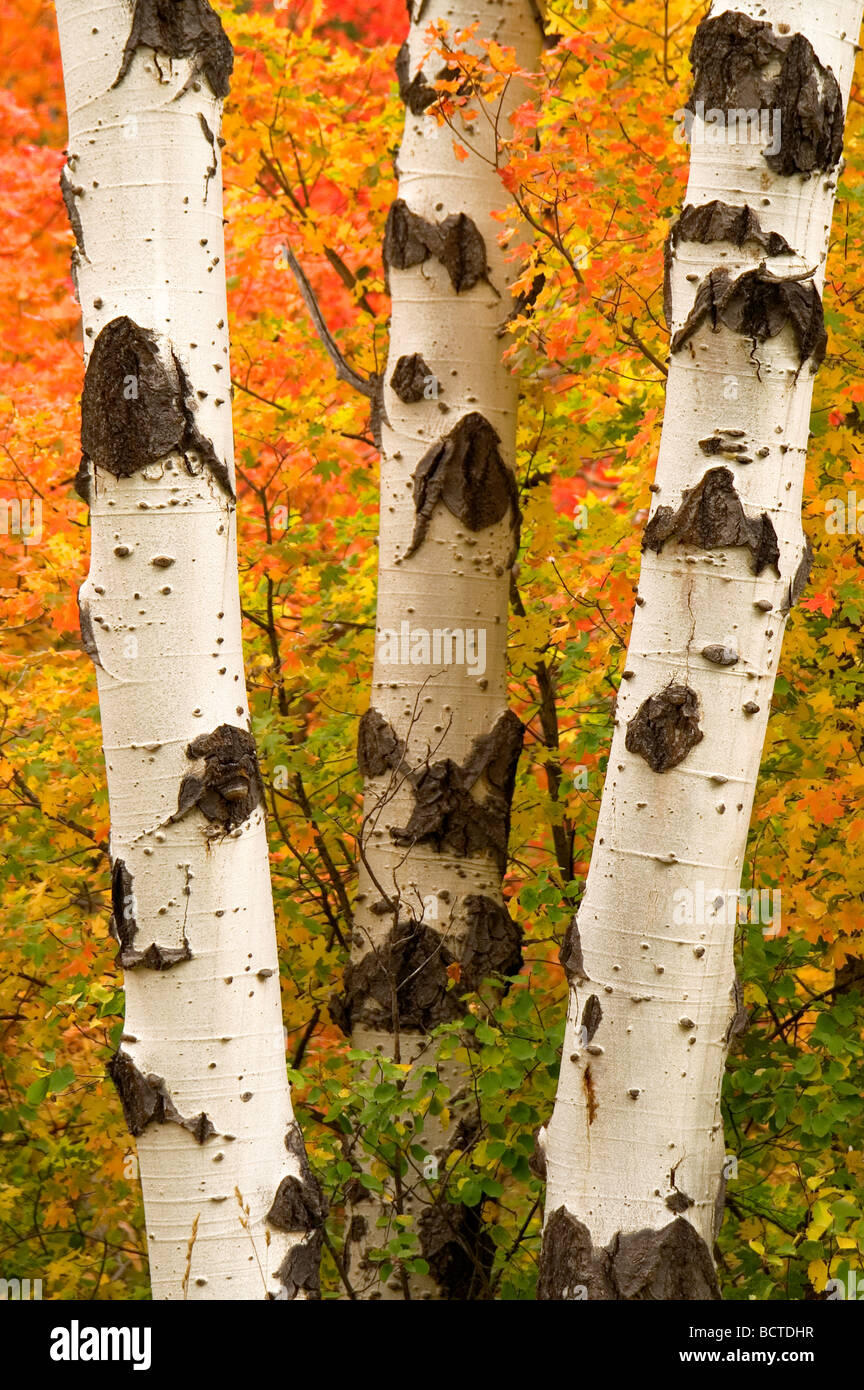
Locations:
(594, 165)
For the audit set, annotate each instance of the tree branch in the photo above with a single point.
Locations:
(367, 386)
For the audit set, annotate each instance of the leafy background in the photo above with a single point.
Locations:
(312, 127)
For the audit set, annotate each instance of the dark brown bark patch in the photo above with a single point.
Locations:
(124, 929)
(570, 954)
(456, 242)
(465, 472)
(88, 634)
(411, 379)
(729, 443)
(759, 305)
(739, 1021)
(665, 727)
(212, 168)
(299, 1272)
(83, 481)
(145, 1101)
(740, 63)
(413, 962)
(799, 581)
(70, 192)
(537, 1161)
(569, 1264)
(711, 516)
(525, 300)
(416, 92)
(669, 1265)
(719, 655)
(378, 749)
(592, 1017)
(405, 975)
(718, 221)
(182, 29)
(136, 405)
(458, 1250)
(297, 1206)
(447, 815)
(679, 1202)
(493, 942)
(229, 788)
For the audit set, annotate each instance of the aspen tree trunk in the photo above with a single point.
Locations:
(438, 746)
(634, 1150)
(230, 1205)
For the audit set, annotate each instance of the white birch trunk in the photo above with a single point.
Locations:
(431, 873)
(201, 1069)
(635, 1144)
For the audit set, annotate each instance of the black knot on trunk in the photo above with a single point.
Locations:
(711, 516)
(665, 727)
(182, 29)
(759, 305)
(743, 67)
(465, 472)
(136, 406)
(230, 787)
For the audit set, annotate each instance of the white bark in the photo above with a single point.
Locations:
(457, 578)
(637, 1117)
(161, 618)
